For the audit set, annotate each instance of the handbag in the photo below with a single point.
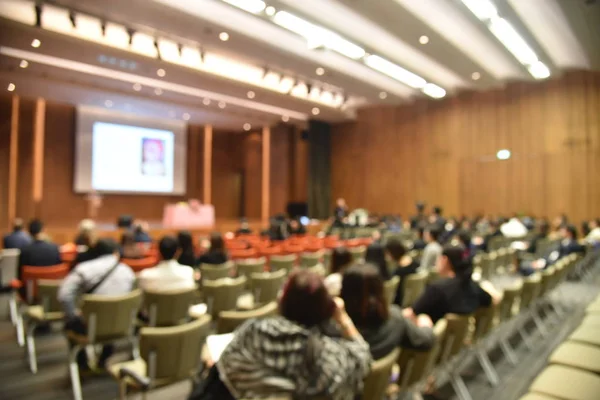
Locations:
(211, 388)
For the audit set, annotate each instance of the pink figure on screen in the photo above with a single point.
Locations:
(153, 157)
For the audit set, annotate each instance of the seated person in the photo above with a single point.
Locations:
(296, 227)
(18, 238)
(494, 232)
(376, 255)
(86, 234)
(340, 260)
(129, 248)
(106, 276)
(463, 239)
(456, 293)
(40, 252)
(405, 265)
(244, 228)
(432, 250)
(168, 274)
(289, 355)
(216, 254)
(186, 249)
(543, 230)
(140, 233)
(593, 236)
(419, 243)
(383, 327)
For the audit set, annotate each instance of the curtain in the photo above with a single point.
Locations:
(319, 170)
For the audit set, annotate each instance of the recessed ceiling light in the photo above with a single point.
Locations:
(251, 94)
(316, 111)
(224, 36)
(137, 87)
(36, 43)
(285, 118)
(186, 116)
(158, 91)
(161, 72)
(247, 127)
(270, 11)
(475, 76)
(24, 64)
(383, 95)
(424, 39)
(222, 104)
(11, 87)
(320, 71)
(206, 101)
(108, 103)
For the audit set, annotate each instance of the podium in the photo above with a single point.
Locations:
(178, 216)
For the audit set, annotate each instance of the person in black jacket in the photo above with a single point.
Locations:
(40, 253)
(18, 238)
(186, 249)
(216, 254)
(405, 266)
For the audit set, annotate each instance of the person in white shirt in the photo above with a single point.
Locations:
(168, 274)
(593, 236)
(514, 228)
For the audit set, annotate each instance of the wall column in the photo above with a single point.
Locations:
(39, 123)
(13, 163)
(266, 173)
(207, 159)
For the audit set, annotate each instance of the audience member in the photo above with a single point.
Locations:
(290, 354)
(514, 228)
(186, 249)
(593, 236)
(168, 274)
(87, 233)
(244, 228)
(383, 327)
(129, 248)
(40, 252)
(419, 243)
(216, 254)
(18, 238)
(340, 212)
(436, 217)
(296, 227)
(543, 228)
(341, 258)
(432, 250)
(404, 266)
(463, 239)
(419, 221)
(140, 233)
(106, 276)
(456, 292)
(494, 231)
(376, 255)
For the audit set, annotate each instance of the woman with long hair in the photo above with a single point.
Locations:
(376, 255)
(186, 248)
(216, 254)
(340, 260)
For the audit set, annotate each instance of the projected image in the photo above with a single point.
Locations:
(153, 157)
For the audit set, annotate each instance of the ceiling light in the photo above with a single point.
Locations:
(285, 118)
(320, 71)
(158, 91)
(318, 37)
(424, 39)
(186, 116)
(316, 111)
(247, 127)
(36, 43)
(509, 37)
(503, 154)
(383, 95)
(24, 64)
(206, 101)
(161, 72)
(108, 103)
(539, 70)
(483, 9)
(222, 104)
(251, 94)
(11, 87)
(475, 76)
(270, 11)
(434, 91)
(392, 70)
(224, 36)
(252, 6)
(137, 87)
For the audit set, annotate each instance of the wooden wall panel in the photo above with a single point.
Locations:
(25, 206)
(227, 167)
(281, 169)
(252, 156)
(5, 121)
(443, 152)
(299, 166)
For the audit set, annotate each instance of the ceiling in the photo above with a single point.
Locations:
(439, 48)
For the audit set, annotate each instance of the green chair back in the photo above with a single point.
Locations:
(228, 321)
(378, 379)
(169, 308)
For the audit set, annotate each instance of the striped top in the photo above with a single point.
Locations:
(274, 356)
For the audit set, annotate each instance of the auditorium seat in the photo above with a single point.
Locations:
(286, 262)
(567, 383)
(228, 321)
(168, 308)
(217, 271)
(538, 396)
(390, 287)
(310, 259)
(587, 334)
(358, 252)
(506, 311)
(577, 355)
(241, 254)
(9, 265)
(377, 381)
(249, 266)
(266, 286)
(222, 294)
(484, 324)
(414, 286)
(140, 264)
(452, 345)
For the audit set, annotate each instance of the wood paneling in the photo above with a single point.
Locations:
(5, 134)
(252, 144)
(227, 175)
(444, 152)
(281, 168)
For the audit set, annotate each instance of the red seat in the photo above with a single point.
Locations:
(247, 253)
(31, 275)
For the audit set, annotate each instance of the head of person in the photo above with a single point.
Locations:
(105, 247)
(437, 210)
(216, 242)
(340, 259)
(294, 224)
(36, 227)
(376, 255)
(420, 207)
(421, 233)
(464, 239)
(395, 249)
(341, 202)
(305, 299)
(544, 228)
(432, 233)
(18, 225)
(127, 239)
(363, 295)
(168, 247)
(152, 150)
(453, 263)
(185, 241)
(87, 228)
(594, 223)
(568, 232)
(244, 223)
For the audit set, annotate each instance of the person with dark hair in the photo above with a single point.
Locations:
(419, 220)
(289, 355)
(383, 327)
(244, 228)
(405, 265)
(40, 252)
(464, 240)
(18, 238)
(494, 232)
(341, 258)
(456, 292)
(593, 236)
(186, 249)
(433, 248)
(140, 233)
(543, 229)
(168, 274)
(86, 235)
(419, 243)
(216, 254)
(296, 227)
(376, 255)
(129, 248)
(105, 276)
